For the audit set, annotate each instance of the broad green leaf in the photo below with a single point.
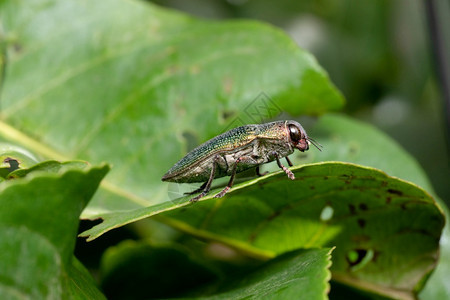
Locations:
(39, 219)
(386, 231)
(300, 274)
(373, 220)
(136, 270)
(349, 140)
(130, 83)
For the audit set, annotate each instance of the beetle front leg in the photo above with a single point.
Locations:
(286, 170)
(289, 162)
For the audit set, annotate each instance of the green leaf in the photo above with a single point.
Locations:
(375, 220)
(437, 286)
(136, 270)
(349, 140)
(38, 227)
(300, 274)
(131, 83)
(372, 219)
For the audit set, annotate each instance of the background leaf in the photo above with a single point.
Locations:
(38, 226)
(136, 78)
(349, 140)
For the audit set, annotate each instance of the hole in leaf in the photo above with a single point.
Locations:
(327, 213)
(13, 163)
(352, 209)
(359, 258)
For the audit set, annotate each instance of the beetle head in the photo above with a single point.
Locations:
(298, 137)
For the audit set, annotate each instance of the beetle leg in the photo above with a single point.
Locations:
(230, 182)
(286, 170)
(208, 183)
(260, 174)
(289, 161)
(197, 190)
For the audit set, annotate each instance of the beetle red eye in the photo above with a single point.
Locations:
(294, 133)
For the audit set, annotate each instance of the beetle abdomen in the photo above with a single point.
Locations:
(204, 154)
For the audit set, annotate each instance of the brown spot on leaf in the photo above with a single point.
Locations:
(353, 149)
(17, 47)
(352, 209)
(361, 223)
(395, 192)
(363, 206)
(227, 85)
(227, 114)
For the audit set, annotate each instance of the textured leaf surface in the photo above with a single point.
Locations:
(38, 225)
(138, 270)
(371, 218)
(349, 140)
(127, 82)
(301, 274)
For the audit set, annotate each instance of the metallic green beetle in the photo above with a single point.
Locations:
(237, 150)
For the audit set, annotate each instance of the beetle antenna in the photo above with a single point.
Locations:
(315, 143)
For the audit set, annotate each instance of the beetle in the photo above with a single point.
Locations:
(237, 150)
